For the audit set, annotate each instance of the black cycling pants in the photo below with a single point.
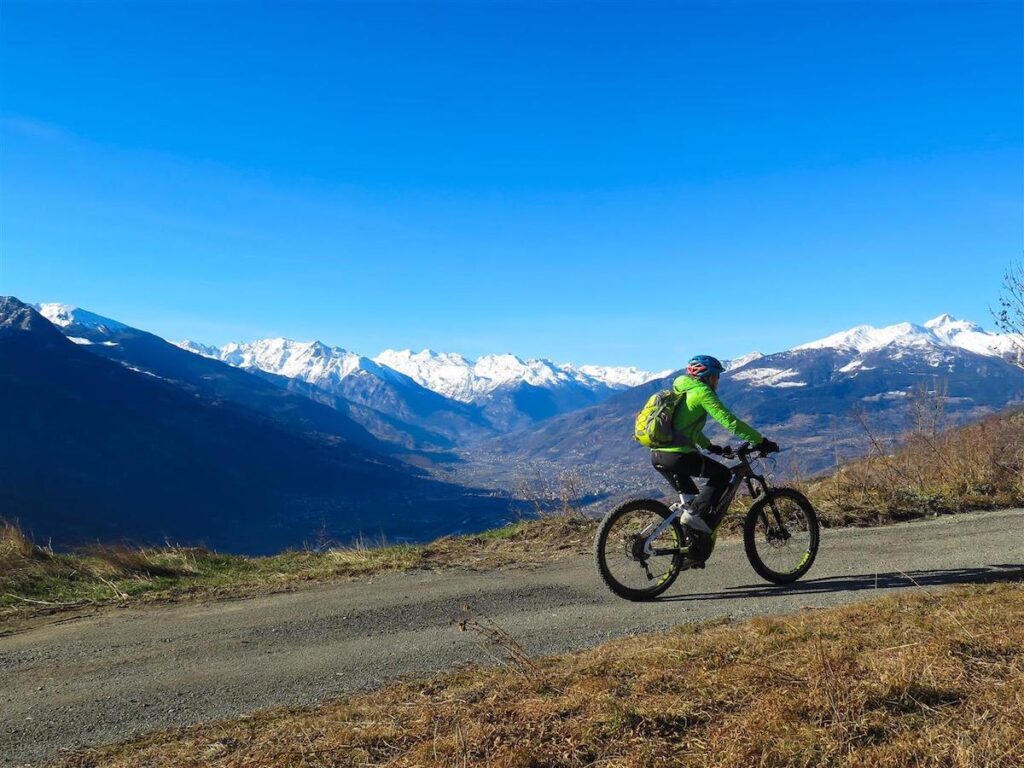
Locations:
(678, 468)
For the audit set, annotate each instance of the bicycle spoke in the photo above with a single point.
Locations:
(626, 561)
(783, 536)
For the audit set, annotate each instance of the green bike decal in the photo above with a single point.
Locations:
(802, 563)
(675, 539)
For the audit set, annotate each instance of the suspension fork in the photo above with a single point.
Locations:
(770, 504)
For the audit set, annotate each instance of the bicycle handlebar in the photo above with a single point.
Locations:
(742, 451)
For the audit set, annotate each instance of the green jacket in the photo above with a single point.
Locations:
(692, 412)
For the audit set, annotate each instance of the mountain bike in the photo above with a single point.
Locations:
(641, 547)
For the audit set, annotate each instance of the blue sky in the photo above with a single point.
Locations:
(617, 183)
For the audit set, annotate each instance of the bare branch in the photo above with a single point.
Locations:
(1009, 318)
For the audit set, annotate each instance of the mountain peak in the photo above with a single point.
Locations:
(946, 323)
(937, 322)
(18, 317)
(972, 337)
(739, 362)
(944, 331)
(64, 315)
(864, 338)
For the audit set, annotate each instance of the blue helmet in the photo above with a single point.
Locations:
(703, 366)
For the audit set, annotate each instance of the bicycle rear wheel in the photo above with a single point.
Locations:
(618, 550)
(781, 535)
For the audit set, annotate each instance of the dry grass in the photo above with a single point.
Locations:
(934, 470)
(15, 545)
(37, 580)
(922, 680)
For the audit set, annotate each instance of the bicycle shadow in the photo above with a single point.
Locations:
(864, 581)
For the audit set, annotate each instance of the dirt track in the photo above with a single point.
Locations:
(106, 677)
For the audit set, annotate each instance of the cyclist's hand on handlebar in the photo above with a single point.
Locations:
(718, 450)
(767, 446)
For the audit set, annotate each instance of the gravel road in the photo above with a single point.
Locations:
(109, 676)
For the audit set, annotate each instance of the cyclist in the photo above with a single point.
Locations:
(683, 460)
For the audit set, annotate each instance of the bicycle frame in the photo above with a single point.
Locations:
(742, 472)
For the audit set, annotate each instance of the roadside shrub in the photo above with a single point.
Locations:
(935, 470)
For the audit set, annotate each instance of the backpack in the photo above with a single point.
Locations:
(653, 427)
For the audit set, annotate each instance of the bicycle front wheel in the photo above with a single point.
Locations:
(781, 535)
(622, 563)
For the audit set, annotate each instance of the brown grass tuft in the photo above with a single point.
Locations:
(15, 545)
(124, 561)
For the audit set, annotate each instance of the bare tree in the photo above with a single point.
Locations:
(548, 494)
(1010, 315)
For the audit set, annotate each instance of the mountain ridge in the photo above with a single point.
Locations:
(128, 442)
(498, 401)
(812, 399)
(535, 417)
(445, 392)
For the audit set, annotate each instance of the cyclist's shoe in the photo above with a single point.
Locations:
(691, 519)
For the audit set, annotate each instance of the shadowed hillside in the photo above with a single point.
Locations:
(95, 450)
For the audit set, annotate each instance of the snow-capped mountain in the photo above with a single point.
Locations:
(462, 398)
(941, 331)
(65, 315)
(431, 400)
(387, 402)
(616, 377)
(459, 378)
(415, 399)
(806, 398)
(938, 343)
(510, 391)
(198, 452)
(203, 350)
(456, 377)
(971, 336)
(146, 354)
(313, 361)
(448, 374)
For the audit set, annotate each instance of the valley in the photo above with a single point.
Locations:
(408, 446)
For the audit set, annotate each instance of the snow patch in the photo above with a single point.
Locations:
(770, 377)
(739, 362)
(892, 395)
(854, 366)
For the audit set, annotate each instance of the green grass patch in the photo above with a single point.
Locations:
(505, 532)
